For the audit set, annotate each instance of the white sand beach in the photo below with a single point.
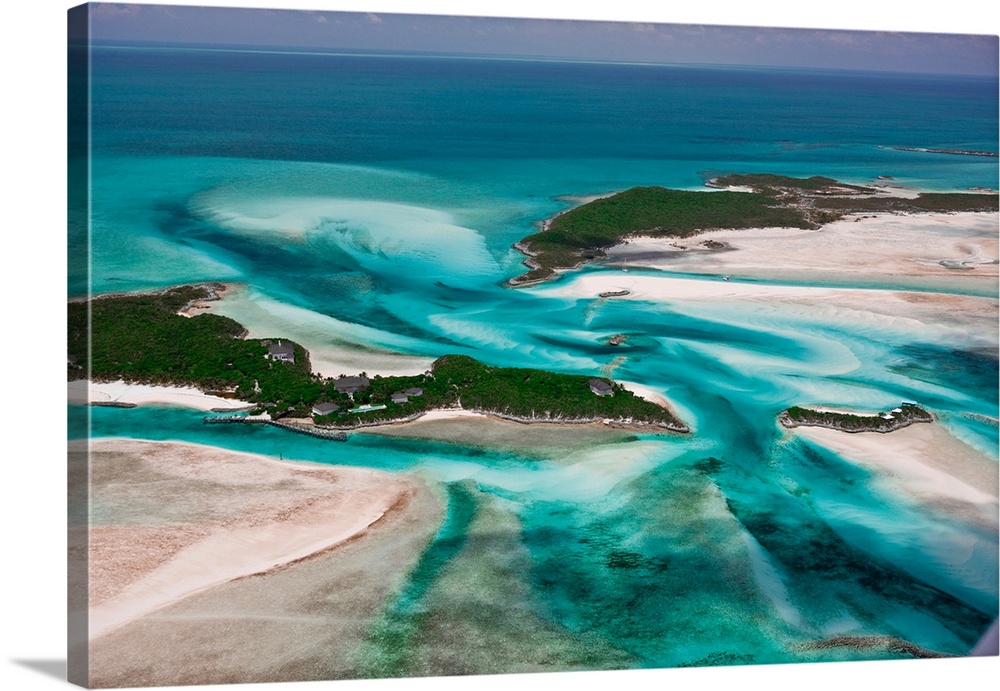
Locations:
(456, 414)
(197, 537)
(647, 393)
(947, 247)
(83, 391)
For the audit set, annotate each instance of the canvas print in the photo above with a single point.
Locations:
(407, 346)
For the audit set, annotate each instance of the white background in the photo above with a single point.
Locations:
(32, 565)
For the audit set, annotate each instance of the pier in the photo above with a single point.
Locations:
(333, 435)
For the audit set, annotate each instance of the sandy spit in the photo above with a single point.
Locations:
(83, 391)
(211, 566)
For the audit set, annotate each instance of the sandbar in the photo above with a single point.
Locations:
(926, 462)
(968, 320)
(212, 566)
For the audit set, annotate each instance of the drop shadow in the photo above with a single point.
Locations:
(50, 668)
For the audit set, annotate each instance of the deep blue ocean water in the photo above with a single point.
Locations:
(386, 191)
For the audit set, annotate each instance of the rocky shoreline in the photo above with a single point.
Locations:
(553, 420)
(213, 293)
(521, 281)
(889, 644)
(558, 420)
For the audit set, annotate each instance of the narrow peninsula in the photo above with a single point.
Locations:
(148, 339)
(582, 234)
(883, 422)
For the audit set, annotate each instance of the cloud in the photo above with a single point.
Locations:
(373, 18)
(319, 17)
(842, 38)
(115, 9)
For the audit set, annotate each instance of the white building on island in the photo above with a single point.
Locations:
(281, 351)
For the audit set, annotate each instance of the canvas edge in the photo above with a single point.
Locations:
(78, 263)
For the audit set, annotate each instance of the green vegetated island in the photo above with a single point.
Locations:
(882, 422)
(145, 338)
(582, 234)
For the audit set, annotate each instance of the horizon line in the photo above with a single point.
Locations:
(323, 51)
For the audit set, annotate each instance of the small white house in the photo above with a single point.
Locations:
(400, 397)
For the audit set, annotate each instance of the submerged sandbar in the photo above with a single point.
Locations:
(926, 462)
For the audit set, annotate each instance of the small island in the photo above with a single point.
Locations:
(146, 338)
(883, 422)
(956, 152)
(582, 234)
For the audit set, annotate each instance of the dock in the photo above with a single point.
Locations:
(320, 433)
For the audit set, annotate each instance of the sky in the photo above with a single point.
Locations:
(630, 41)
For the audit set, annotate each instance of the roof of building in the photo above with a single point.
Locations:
(414, 391)
(351, 383)
(325, 408)
(600, 385)
(280, 348)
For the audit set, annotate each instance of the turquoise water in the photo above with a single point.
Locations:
(385, 192)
